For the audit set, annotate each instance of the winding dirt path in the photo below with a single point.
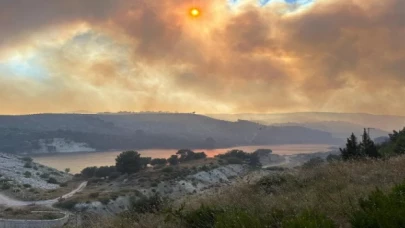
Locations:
(7, 201)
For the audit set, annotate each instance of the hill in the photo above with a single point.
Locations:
(384, 122)
(44, 133)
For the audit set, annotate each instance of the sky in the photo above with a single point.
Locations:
(237, 56)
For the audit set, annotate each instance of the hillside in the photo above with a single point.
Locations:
(44, 133)
(384, 122)
(338, 129)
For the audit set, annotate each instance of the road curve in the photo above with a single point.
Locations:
(7, 201)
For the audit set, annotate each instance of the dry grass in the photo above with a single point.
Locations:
(333, 189)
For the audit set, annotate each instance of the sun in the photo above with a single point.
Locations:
(195, 12)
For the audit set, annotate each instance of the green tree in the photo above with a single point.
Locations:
(130, 162)
(173, 160)
(352, 149)
(67, 170)
(158, 161)
(367, 146)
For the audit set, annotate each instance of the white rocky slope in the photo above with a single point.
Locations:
(192, 184)
(15, 172)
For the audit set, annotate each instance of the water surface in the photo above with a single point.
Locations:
(78, 161)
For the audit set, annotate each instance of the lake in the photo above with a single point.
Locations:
(78, 161)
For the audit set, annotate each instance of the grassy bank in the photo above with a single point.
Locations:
(327, 194)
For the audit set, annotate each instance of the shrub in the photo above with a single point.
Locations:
(309, 219)
(66, 204)
(27, 174)
(52, 181)
(203, 217)
(381, 210)
(94, 195)
(63, 184)
(27, 186)
(44, 175)
(104, 200)
(5, 186)
(147, 205)
(236, 218)
(269, 183)
(114, 175)
(131, 162)
(234, 160)
(27, 159)
(168, 169)
(158, 162)
(28, 165)
(313, 162)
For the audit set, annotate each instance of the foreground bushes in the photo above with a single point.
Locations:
(382, 210)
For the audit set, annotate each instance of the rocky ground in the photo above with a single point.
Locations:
(20, 177)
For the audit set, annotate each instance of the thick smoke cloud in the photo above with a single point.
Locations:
(112, 55)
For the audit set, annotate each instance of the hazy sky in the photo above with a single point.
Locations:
(237, 56)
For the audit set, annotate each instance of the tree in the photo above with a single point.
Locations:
(352, 149)
(173, 160)
(189, 155)
(158, 161)
(105, 171)
(89, 172)
(67, 170)
(130, 162)
(367, 146)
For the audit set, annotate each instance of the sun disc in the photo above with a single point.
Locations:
(194, 12)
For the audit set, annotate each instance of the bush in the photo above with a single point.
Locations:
(381, 210)
(269, 183)
(147, 205)
(27, 186)
(313, 162)
(27, 174)
(44, 176)
(235, 218)
(28, 165)
(89, 172)
(234, 160)
(52, 181)
(168, 169)
(63, 184)
(5, 186)
(158, 161)
(94, 195)
(131, 162)
(66, 204)
(309, 219)
(27, 159)
(204, 217)
(114, 175)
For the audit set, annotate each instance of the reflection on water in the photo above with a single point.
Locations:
(77, 161)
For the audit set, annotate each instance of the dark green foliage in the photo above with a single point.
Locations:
(354, 150)
(189, 155)
(381, 210)
(89, 172)
(234, 160)
(333, 158)
(236, 218)
(241, 157)
(27, 159)
(28, 165)
(313, 162)
(204, 217)
(27, 185)
(105, 171)
(395, 145)
(52, 181)
(158, 161)
(27, 174)
(147, 205)
(309, 219)
(63, 184)
(94, 194)
(173, 160)
(131, 162)
(168, 169)
(269, 183)
(68, 204)
(44, 176)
